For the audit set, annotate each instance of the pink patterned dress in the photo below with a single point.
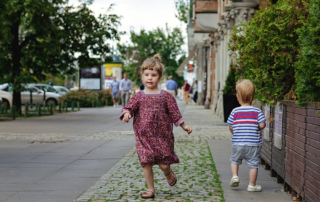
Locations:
(154, 115)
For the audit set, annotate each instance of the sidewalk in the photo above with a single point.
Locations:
(201, 178)
(221, 152)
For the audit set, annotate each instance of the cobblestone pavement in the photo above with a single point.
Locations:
(197, 176)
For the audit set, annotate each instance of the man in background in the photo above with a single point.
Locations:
(114, 91)
(125, 89)
(172, 86)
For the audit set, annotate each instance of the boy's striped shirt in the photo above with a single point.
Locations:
(245, 121)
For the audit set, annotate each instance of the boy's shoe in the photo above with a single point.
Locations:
(235, 181)
(254, 188)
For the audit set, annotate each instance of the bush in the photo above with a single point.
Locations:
(266, 49)
(85, 97)
(230, 87)
(308, 68)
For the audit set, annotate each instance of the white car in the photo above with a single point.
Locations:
(61, 90)
(6, 98)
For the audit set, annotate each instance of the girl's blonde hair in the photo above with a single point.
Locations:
(245, 90)
(153, 63)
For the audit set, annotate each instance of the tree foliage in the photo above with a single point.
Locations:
(38, 38)
(266, 49)
(146, 44)
(308, 67)
(183, 8)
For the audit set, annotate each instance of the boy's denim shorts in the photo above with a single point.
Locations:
(249, 153)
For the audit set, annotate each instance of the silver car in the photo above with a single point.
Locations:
(61, 90)
(37, 95)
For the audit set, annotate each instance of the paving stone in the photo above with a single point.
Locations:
(197, 177)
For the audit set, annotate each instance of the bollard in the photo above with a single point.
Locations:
(92, 103)
(78, 103)
(60, 107)
(26, 110)
(5, 109)
(51, 110)
(39, 110)
(44, 105)
(13, 110)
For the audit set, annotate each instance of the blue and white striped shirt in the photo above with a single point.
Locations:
(245, 121)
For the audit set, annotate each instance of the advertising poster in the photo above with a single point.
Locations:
(278, 126)
(107, 83)
(90, 78)
(113, 70)
(266, 131)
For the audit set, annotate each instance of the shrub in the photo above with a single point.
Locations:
(85, 97)
(265, 49)
(308, 67)
(230, 87)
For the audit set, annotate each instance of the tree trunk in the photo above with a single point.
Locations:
(16, 65)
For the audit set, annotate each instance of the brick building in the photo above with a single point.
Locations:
(291, 142)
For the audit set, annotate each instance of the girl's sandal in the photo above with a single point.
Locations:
(148, 194)
(171, 178)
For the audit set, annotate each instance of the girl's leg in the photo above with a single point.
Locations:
(253, 173)
(171, 178)
(148, 174)
(165, 169)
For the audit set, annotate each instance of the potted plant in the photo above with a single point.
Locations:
(230, 100)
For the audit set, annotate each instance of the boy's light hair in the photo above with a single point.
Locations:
(245, 90)
(153, 63)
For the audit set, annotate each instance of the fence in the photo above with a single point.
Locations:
(294, 157)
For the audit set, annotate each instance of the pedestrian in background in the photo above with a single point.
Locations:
(172, 86)
(114, 91)
(186, 90)
(245, 123)
(195, 89)
(154, 111)
(125, 89)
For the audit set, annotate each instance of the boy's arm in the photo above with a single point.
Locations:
(262, 125)
(231, 129)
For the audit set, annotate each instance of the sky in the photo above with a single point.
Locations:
(137, 14)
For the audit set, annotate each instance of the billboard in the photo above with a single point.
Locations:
(90, 78)
(112, 70)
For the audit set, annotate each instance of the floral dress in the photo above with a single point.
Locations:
(154, 115)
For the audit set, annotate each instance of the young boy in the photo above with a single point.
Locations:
(245, 123)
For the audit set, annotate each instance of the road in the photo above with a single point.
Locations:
(57, 158)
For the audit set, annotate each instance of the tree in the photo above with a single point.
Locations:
(308, 67)
(184, 9)
(43, 37)
(146, 44)
(266, 49)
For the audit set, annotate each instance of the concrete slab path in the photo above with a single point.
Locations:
(271, 191)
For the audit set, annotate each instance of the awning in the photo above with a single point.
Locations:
(180, 70)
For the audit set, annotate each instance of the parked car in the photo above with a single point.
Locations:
(44, 87)
(61, 89)
(37, 95)
(6, 98)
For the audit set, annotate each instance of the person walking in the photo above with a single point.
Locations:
(114, 91)
(245, 123)
(172, 86)
(186, 90)
(125, 89)
(195, 89)
(154, 111)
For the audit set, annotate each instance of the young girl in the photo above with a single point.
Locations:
(154, 111)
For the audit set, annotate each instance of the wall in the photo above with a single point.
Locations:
(298, 163)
